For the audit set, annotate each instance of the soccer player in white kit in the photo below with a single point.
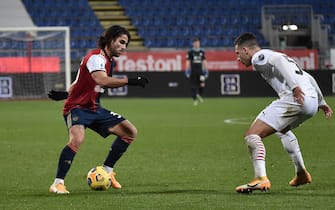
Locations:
(299, 99)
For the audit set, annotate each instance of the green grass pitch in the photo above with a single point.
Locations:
(185, 157)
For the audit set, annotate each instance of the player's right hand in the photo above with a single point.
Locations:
(205, 73)
(58, 95)
(138, 81)
(327, 110)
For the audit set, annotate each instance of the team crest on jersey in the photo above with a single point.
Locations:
(261, 57)
(75, 118)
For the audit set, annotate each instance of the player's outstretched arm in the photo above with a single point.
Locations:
(327, 110)
(102, 79)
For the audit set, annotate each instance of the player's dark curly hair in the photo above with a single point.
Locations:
(112, 33)
(247, 39)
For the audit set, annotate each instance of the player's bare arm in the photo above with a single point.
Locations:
(102, 79)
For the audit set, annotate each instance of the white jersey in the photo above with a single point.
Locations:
(284, 74)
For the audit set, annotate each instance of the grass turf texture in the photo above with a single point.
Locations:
(185, 157)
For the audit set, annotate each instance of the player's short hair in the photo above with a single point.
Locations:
(112, 33)
(246, 39)
(196, 39)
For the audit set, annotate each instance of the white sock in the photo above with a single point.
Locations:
(257, 154)
(58, 180)
(108, 169)
(291, 145)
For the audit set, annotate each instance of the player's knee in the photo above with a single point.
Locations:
(128, 139)
(74, 146)
(75, 142)
(131, 135)
(134, 132)
(77, 136)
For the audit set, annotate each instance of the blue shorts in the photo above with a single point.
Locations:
(99, 121)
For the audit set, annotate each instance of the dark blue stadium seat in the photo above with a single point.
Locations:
(77, 14)
(172, 23)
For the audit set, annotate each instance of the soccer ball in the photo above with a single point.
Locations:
(98, 178)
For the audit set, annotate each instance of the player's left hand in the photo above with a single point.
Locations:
(205, 73)
(58, 95)
(298, 95)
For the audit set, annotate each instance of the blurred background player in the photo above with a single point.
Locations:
(82, 107)
(196, 70)
(299, 99)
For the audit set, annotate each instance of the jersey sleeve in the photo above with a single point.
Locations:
(321, 99)
(96, 63)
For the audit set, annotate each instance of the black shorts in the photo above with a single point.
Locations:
(99, 121)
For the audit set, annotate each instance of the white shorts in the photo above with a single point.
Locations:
(282, 113)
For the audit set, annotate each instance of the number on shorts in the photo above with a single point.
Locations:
(116, 114)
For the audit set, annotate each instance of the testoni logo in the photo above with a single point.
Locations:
(149, 63)
(217, 60)
(306, 62)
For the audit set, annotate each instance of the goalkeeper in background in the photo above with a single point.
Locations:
(196, 70)
(82, 107)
